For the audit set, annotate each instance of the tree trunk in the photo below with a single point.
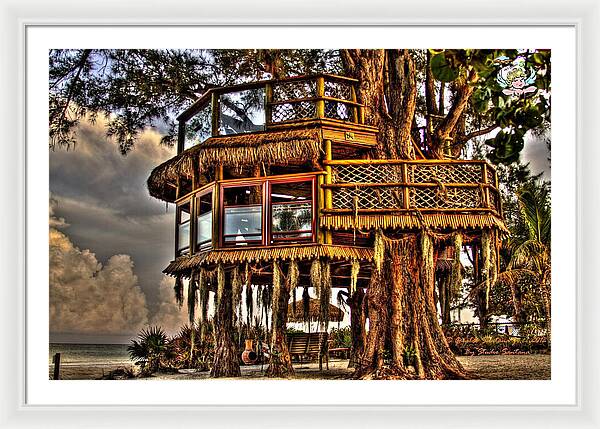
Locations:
(280, 364)
(226, 361)
(401, 307)
(409, 324)
(357, 326)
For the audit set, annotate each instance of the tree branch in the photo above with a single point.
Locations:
(480, 132)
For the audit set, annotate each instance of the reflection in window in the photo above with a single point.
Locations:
(242, 223)
(198, 128)
(291, 211)
(204, 221)
(183, 228)
(242, 112)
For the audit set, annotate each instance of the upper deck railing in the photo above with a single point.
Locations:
(426, 185)
(270, 104)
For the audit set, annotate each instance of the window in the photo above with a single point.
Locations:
(291, 211)
(183, 228)
(204, 205)
(242, 112)
(198, 128)
(242, 220)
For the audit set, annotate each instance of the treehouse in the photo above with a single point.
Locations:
(285, 170)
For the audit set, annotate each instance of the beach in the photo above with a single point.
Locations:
(94, 361)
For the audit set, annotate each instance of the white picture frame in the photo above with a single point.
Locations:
(19, 16)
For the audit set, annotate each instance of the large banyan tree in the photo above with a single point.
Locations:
(408, 114)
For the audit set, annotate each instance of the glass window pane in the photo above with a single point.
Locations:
(204, 228)
(292, 217)
(242, 112)
(198, 128)
(204, 221)
(291, 211)
(243, 224)
(183, 231)
(184, 212)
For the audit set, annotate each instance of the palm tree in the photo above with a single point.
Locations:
(530, 257)
(148, 351)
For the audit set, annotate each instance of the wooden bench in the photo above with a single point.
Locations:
(309, 344)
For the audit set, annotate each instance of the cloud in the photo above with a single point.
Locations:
(104, 197)
(55, 222)
(168, 315)
(87, 297)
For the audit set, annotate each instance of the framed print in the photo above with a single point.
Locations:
(373, 217)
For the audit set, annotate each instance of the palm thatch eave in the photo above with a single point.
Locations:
(268, 148)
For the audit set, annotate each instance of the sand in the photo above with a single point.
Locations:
(488, 367)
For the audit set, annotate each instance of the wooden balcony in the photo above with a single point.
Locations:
(274, 105)
(366, 194)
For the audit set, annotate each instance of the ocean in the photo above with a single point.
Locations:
(87, 361)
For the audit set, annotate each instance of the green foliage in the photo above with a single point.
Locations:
(189, 349)
(409, 355)
(138, 88)
(341, 337)
(443, 68)
(148, 350)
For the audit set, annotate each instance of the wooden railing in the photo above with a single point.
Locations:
(378, 186)
(271, 104)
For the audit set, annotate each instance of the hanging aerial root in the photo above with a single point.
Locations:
(325, 295)
(178, 289)
(379, 250)
(354, 269)
(488, 270)
(456, 273)
(249, 298)
(276, 296)
(315, 276)
(236, 301)
(220, 284)
(191, 297)
(292, 278)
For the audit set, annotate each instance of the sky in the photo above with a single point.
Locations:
(109, 241)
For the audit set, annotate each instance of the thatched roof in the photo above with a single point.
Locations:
(184, 264)
(269, 148)
(297, 316)
(409, 220)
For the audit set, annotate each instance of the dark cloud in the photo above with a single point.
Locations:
(103, 197)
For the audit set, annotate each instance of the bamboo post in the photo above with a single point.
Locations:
(356, 109)
(177, 216)
(320, 103)
(486, 188)
(216, 208)
(268, 107)
(405, 190)
(328, 180)
(56, 362)
(193, 237)
(214, 110)
(320, 206)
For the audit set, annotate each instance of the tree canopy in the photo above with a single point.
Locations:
(457, 94)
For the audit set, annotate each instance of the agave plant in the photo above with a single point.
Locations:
(148, 349)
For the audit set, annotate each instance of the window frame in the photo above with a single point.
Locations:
(266, 207)
(313, 231)
(179, 208)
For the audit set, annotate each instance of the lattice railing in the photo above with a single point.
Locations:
(306, 99)
(406, 185)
